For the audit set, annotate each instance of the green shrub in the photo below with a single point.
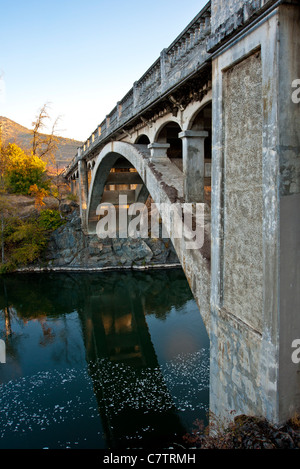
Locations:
(50, 220)
(24, 170)
(25, 241)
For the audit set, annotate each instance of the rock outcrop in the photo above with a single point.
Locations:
(69, 248)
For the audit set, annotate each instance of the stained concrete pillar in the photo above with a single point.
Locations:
(193, 164)
(158, 151)
(83, 188)
(255, 279)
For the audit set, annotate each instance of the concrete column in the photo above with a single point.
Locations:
(255, 279)
(89, 177)
(83, 188)
(158, 151)
(193, 164)
(76, 186)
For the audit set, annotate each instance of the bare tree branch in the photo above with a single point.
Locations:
(44, 145)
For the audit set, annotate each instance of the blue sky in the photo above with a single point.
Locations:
(81, 56)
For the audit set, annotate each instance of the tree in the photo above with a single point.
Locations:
(23, 239)
(58, 188)
(39, 194)
(24, 170)
(3, 162)
(5, 206)
(44, 146)
(6, 211)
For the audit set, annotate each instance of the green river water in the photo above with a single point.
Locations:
(101, 360)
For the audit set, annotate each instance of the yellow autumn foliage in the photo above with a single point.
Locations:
(24, 170)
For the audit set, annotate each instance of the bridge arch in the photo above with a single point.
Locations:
(169, 133)
(107, 159)
(201, 120)
(164, 183)
(161, 133)
(142, 139)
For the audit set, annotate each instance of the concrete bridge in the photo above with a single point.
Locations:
(215, 121)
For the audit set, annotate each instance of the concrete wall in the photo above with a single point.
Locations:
(230, 16)
(222, 10)
(243, 204)
(234, 11)
(255, 220)
(289, 188)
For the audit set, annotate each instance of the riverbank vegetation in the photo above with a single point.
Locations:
(24, 239)
(31, 192)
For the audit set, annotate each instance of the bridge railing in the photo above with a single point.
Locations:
(181, 59)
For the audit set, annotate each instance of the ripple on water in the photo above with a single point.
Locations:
(49, 399)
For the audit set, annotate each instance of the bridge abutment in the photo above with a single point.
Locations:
(255, 224)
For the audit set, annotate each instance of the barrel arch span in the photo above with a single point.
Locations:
(194, 262)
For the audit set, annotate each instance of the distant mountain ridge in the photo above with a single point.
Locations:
(12, 132)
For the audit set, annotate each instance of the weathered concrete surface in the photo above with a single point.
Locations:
(255, 223)
(231, 16)
(193, 156)
(243, 204)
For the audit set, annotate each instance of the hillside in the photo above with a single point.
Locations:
(16, 133)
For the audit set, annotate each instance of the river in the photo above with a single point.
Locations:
(101, 360)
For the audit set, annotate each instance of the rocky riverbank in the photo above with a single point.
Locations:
(70, 249)
(246, 432)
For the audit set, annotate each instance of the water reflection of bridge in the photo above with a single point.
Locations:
(128, 382)
(132, 397)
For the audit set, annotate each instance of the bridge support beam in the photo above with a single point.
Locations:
(193, 164)
(83, 188)
(72, 184)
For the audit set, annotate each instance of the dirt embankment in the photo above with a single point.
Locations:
(24, 205)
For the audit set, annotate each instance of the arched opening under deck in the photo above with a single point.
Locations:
(202, 121)
(142, 140)
(116, 178)
(170, 134)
